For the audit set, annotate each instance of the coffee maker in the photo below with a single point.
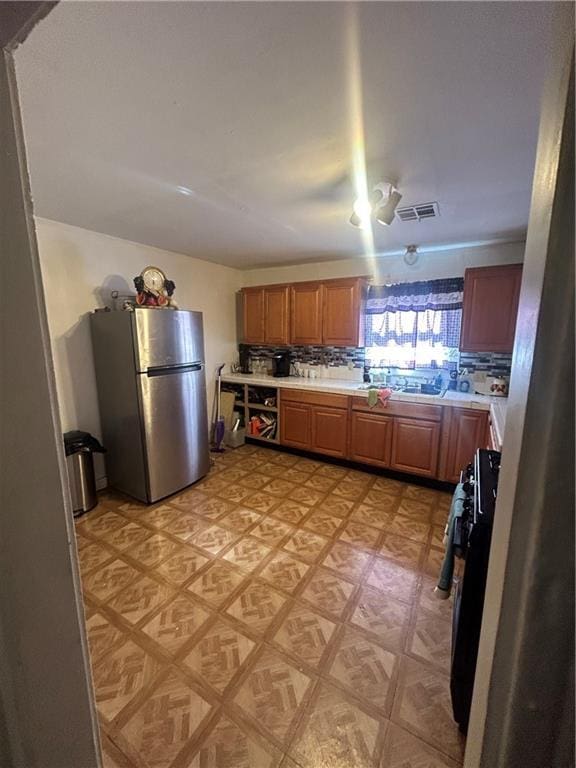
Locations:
(281, 363)
(244, 355)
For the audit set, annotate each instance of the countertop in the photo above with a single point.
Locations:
(496, 405)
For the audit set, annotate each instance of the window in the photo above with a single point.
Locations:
(414, 325)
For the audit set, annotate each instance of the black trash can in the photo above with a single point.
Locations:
(79, 447)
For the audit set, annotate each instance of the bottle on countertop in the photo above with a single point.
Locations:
(463, 381)
(366, 376)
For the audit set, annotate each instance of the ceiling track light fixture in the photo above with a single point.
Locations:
(382, 204)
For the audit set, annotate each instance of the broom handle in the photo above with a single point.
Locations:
(219, 385)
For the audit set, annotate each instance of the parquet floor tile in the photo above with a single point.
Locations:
(285, 572)
(336, 733)
(422, 705)
(278, 614)
(181, 565)
(256, 606)
(106, 581)
(273, 692)
(403, 750)
(176, 623)
(430, 639)
(140, 598)
(216, 584)
(230, 746)
(366, 669)
(218, 655)
(309, 546)
(383, 616)
(164, 724)
(92, 555)
(327, 592)
(305, 634)
(343, 558)
(120, 675)
(102, 635)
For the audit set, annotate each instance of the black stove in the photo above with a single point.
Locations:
(472, 538)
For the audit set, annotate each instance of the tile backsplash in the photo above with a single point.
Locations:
(493, 363)
(333, 356)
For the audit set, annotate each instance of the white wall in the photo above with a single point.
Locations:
(80, 268)
(383, 269)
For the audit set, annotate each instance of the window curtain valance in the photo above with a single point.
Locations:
(415, 297)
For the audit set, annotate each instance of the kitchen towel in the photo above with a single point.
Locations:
(381, 396)
(444, 586)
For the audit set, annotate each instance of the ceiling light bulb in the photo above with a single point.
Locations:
(362, 208)
(385, 214)
(355, 220)
(361, 216)
(411, 255)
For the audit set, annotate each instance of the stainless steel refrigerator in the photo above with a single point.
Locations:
(152, 394)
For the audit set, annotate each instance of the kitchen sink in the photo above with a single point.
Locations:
(415, 389)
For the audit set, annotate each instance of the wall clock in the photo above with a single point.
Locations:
(154, 289)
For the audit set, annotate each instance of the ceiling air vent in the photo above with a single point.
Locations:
(418, 212)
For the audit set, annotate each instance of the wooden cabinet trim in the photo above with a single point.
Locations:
(400, 408)
(314, 398)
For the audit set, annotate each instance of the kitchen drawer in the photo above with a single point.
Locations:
(400, 408)
(313, 398)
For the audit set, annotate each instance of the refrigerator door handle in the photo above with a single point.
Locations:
(170, 370)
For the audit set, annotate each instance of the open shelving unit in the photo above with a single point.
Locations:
(255, 412)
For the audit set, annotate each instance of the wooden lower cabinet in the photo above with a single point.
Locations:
(314, 428)
(427, 440)
(415, 446)
(295, 425)
(330, 431)
(371, 439)
(464, 432)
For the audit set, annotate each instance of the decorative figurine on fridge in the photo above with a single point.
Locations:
(154, 289)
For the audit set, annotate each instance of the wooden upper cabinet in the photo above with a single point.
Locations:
(342, 309)
(489, 308)
(324, 312)
(371, 438)
(265, 315)
(464, 432)
(253, 315)
(276, 312)
(415, 446)
(306, 313)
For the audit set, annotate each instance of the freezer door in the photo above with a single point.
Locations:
(164, 338)
(175, 425)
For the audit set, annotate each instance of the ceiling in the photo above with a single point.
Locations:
(232, 131)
